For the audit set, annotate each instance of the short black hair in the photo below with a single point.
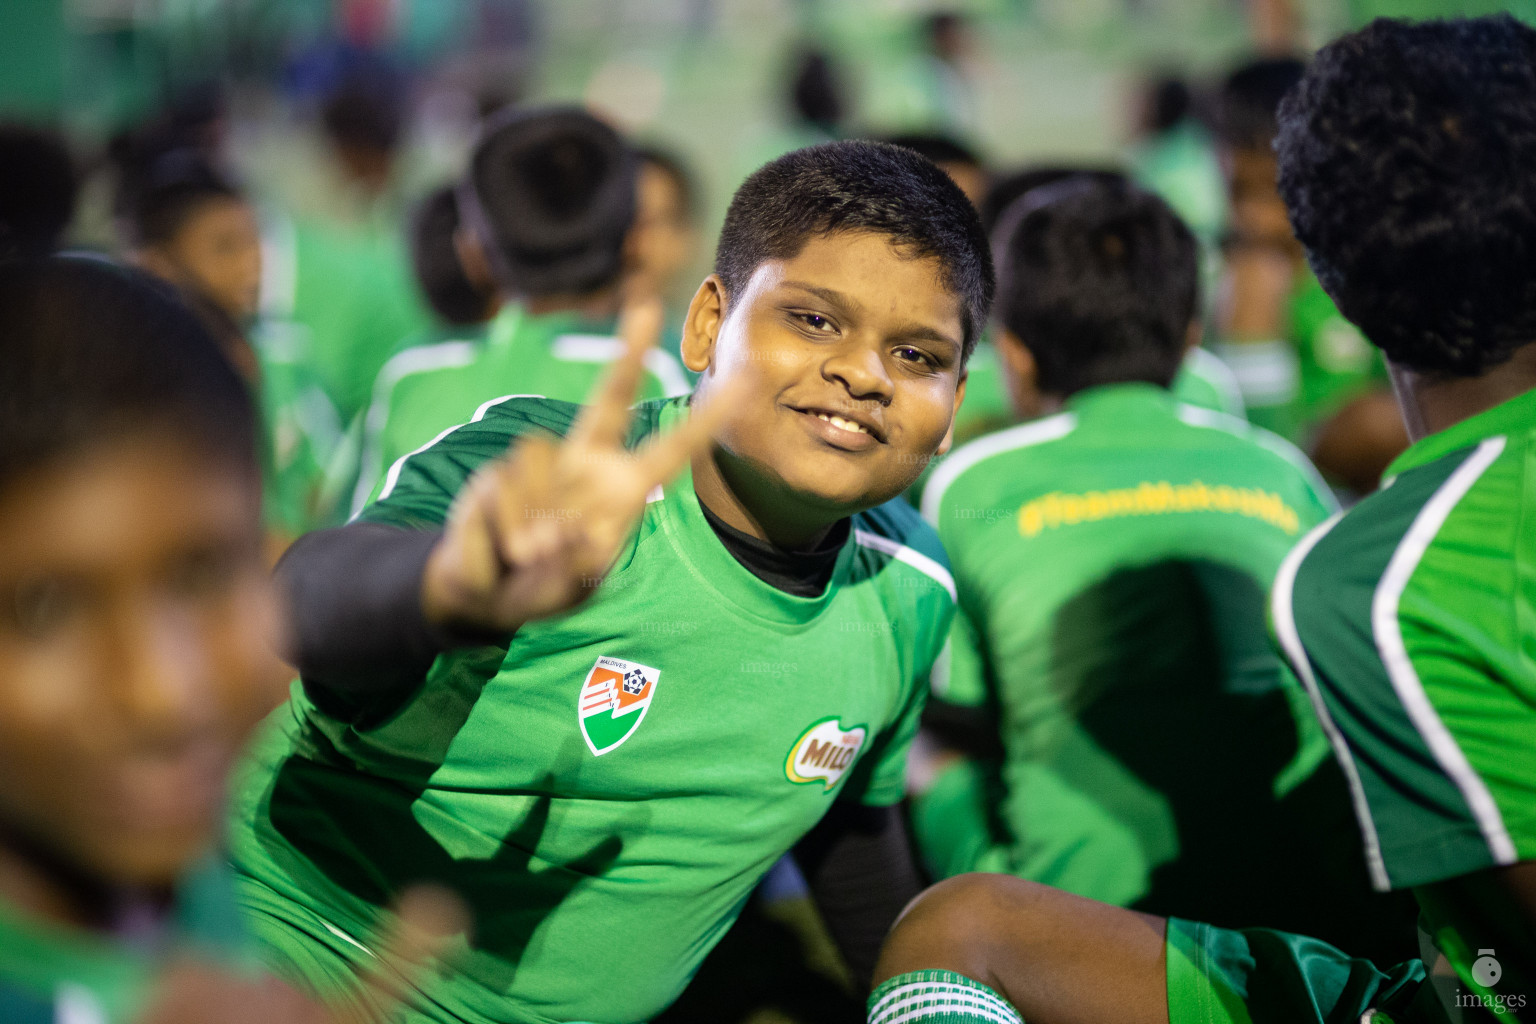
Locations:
(365, 110)
(816, 94)
(1249, 98)
(1100, 280)
(1169, 102)
(447, 289)
(1408, 164)
(93, 350)
(163, 195)
(859, 186)
(550, 193)
(38, 188)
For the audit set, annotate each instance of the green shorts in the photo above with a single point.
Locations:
(1261, 976)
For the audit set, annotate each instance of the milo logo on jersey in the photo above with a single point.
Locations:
(823, 753)
(613, 702)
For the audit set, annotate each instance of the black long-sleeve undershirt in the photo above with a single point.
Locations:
(358, 635)
(859, 865)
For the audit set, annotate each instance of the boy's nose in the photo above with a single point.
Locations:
(862, 371)
(161, 674)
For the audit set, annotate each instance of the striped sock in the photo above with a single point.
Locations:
(938, 997)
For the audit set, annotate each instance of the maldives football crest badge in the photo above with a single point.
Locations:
(613, 702)
(823, 753)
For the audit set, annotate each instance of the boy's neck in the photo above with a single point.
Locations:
(44, 887)
(1431, 403)
(728, 492)
(599, 305)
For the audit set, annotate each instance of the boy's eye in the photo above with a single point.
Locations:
(202, 572)
(41, 607)
(816, 322)
(909, 354)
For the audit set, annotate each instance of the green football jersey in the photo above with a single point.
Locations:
(1203, 380)
(1410, 622)
(347, 292)
(1336, 362)
(1294, 383)
(304, 451)
(55, 975)
(605, 788)
(1112, 564)
(425, 390)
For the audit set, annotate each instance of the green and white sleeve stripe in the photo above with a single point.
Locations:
(1290, 642)
(1394, 653)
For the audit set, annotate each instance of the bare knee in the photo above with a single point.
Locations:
(963, 924)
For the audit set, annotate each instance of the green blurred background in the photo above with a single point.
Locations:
(1040, 78)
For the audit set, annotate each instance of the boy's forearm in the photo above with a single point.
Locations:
(355, 615)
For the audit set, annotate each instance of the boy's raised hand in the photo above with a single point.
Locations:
(423, 920)
(533, 533)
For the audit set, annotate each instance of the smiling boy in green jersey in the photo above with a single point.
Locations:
(600, 717)
(1405, 163)
(547, 209)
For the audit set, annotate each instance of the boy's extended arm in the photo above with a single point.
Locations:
(372, 605)
(354, 598)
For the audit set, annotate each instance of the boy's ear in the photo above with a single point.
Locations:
(473, 261)
(949, 435)
(1192, 336)
(1016, 356)
(702, 327)
(1021, 374)
(150, 258)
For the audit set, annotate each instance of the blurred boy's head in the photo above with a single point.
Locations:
(1406, 162)
(38, 186)
(448, 290)
(954, 158)
(1245, 131)
(188, 225)
(815, 95)
(1098, 283)
(548, 201)
(1007, 189)
(664, 236)
(363, 119)
(850, 283)
(133, 596)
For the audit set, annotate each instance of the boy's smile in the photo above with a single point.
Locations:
(852, 350)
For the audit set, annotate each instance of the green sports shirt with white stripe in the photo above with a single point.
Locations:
(1112, 564)
(605, 788)
(1411, 621)
(425, 390)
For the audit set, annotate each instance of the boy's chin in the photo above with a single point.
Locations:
(150, 862)
(841, 496)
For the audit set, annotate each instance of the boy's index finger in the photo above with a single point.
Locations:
(663, 457)
(425, 918)
(640, 322)
(606, 417)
